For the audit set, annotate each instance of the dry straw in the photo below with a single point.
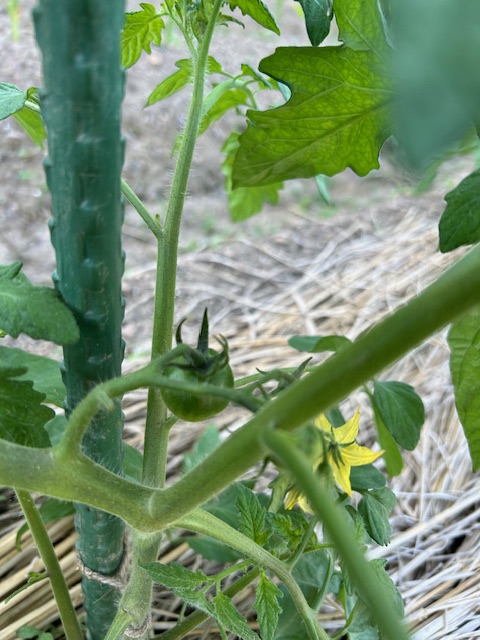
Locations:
(316, 277)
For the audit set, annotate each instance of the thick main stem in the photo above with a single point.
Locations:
(138, 594)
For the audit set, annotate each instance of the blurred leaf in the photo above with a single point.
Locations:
(267, 607)
(141, 29)
(437, 53)
(401, 411)
(339, 114)
(22, 414)
(56, 428)
(317, 344)
(32, 579)
(460, 222)
(228, 616)
(43, 372)
(244, 202)
(30, 118)
(258, 11)
(464, 343)
(132, 464)
(318, 16)
(208, 442)
(36, 311)
(375, 507)
(213, 550)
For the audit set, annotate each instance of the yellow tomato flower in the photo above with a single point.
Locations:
(342, 453)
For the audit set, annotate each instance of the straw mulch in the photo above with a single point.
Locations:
(317, 277)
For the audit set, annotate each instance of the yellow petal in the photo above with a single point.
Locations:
(291, 498)
(341, 473)
(323, 424)
(348, 432)
(355, 455)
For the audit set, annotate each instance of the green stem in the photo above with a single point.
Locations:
(335, 524)
(46, 549)
(155, 451)
(203, 522)
(138, 205)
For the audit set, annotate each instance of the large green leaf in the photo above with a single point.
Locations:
(460, 222)
(43, 372)
(257, 10)
(141, 29)
(22, 414)
(338, 116)
(464, 342)
(36, 311)
(401, 411)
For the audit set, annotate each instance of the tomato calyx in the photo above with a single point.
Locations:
(198, 365)
(202, 360)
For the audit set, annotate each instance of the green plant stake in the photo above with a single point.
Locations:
(81, 104)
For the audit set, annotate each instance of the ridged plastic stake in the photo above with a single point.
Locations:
(81, 104)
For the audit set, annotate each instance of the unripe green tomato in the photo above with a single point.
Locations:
(195, 408)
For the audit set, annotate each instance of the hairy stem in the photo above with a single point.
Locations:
(46, 549)
(336, 525)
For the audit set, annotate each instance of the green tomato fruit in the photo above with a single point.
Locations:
(194, 408)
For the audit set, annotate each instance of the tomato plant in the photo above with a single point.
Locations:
(342, 102)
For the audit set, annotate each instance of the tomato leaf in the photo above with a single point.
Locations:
(244, 202)
(12, 99)
(36, 311)
(172, 84)
(460, 222)
(360, 25)
(182, 582)
(43, 372)
(366, 477)
(228, 616)
(208, 442)
(392, 456)
(338, 116)
(318, 16)
(464, 343)
(141, 29)
(252, 515)
(258, 11)
(375, 507)
(22, 414)
(212, 549)
(401, 411)
(267, 607)
(317, 344)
